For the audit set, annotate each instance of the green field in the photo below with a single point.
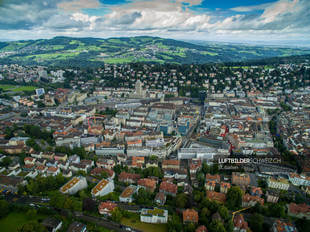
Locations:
(14, 221)
(15, 88)
(7, 87)
(134, 222)
(61, 51)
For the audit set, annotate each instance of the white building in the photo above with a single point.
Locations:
(76, 184)
(154, 215)
(127, 194)
(279, 183)
(103, 188)
(298, 180)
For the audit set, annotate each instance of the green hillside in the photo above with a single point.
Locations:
(66, 51)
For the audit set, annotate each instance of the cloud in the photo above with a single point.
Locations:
(168, 18)
(77, 5)
(251, 8)
(25, 15)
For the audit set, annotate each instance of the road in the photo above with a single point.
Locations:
(186, 138)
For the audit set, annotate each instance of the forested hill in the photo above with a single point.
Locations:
(67, 51)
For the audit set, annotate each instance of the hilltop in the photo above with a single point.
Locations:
(68, 51)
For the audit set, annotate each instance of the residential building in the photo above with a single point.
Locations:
(190, 216)
(224, 186)
(168, 188)
(171, 164)
(210, 185)
(201, 228)
(278, 183)
(281, 226)
(298, 180)
(103, 188)
(77, 227)
(147, 183)
(160, 198)
(29, 160)
(52, 224)
(60, 156)
(241, 179)
(106, 208)
(52, 171)
(216, 178)
(215, 196)
(128, 177)
(195, 165)
(256, 191)
(154, 215)
(127, 194)
(298, 210)
(76, 184)
(249, 200)
(272, 196)
(240, 225)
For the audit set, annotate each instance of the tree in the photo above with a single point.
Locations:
(32, 226)
(216, 226)
(89, 205)
(117, 215)
(6, 161)
(181, 200)
(234, 198)
(152, 171)
(276, 210)
(223, 211)
(302, 224)
(256, 222)
(31, 213)
(143, 197)
(174, 224)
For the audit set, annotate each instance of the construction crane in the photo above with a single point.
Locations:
(238, 211)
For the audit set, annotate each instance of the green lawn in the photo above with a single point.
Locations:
(24, 88)
(15, 88)
(14, 221)
(134, 222)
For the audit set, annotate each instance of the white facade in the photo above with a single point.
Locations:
(154, 215)
(76, 184)
(298, 180)
(127, 194)
(278, 184)
(103, 188)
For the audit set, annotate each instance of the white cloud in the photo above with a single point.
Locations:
(281, 19)
(251, 8)
(77, 5)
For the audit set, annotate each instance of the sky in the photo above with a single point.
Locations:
(261, 21)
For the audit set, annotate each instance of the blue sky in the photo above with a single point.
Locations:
(263, 21)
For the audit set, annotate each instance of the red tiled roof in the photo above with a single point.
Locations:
(240, 223)
(300, 208)
(168, 187)
(247, 198)
(215, 178)
(171, 162)
(125, 176)
(201, 229)
(215, 196)
(190, 215)
(148, 183)
(52, 169)
(108, 206)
